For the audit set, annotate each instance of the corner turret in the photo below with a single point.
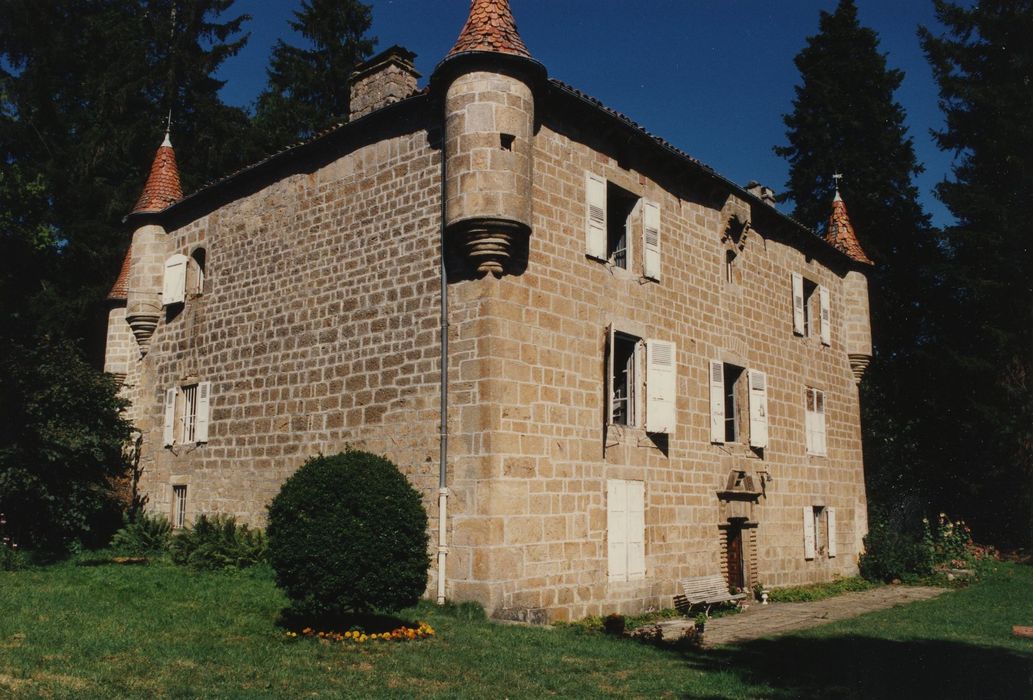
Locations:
(840, 234)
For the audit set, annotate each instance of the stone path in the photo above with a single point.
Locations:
(779, 618)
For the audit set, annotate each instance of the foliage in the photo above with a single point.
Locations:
(11, 557)
(142, 535)
(984, 66)
(819, 591)
(218, 542)
(309, 89)
(348, 533)
(891, 553)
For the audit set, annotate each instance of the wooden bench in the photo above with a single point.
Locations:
(704, 590)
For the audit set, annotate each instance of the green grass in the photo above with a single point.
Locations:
(161, 631)
(820, 591)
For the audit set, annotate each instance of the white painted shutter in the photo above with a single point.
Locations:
(204, 390)
(820, 446)
(608, 384)
(808, 421)
(826, 319)
(798, 314)
(758, 408)
(617, 529)
(174, 285)
(636, 529)
(661, 386)
(651, 236)
(170, 416)
(831, 515)
(808, 532)
(595, 216)
(717, 402)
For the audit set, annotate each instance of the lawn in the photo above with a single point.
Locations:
(84, 631)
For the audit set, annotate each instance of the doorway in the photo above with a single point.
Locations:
(736, 566)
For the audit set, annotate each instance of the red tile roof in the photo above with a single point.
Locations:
(162, 187)
(490, 27)
(120, 290)
(840, 232)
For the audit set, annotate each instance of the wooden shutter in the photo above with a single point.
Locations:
(608, 383)
(174, 286)
(758, 408)
(717, 402)
(826, 319)
(798, 300)
(651, 240)
(831, 516)
(170, 417)
(595, 216)
(204, 390)
(820, 446)
(617, 529)
(808, 532)
(636, 529)
(808, 424)
(661, 386)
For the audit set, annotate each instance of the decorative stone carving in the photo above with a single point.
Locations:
(859, 363)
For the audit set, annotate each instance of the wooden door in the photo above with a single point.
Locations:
(736, 577)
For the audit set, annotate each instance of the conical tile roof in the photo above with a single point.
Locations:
(162, 187)
(490, 27)
(120, 290)
(840, 232)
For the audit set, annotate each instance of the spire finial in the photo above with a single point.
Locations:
(837, 177)
(168, 131)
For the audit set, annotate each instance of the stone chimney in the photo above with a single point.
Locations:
(388, 77)
(763, 192)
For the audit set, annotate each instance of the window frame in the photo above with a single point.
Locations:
(814, 407)
(179, 506)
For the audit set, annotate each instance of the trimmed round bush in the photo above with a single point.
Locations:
(347, 533)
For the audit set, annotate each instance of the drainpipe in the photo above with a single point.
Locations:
(443, 435)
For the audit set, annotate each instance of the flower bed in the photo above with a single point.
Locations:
(359, 636)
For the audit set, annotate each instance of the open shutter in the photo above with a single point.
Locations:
(204, 390)
(808, 532)
(608, 383)
(174, 286)
(758, 408)
(595, 216)
(651, 240)
(798, 315)
(809, 416)
(717, 402)
(826, 319)
(617, 529)
(820, 446)
(636, 530)
(661, 386)
(170, 417)
(831, 515)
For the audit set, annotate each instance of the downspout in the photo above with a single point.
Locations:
(443, 435)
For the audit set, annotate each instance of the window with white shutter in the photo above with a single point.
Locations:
(826, 316)
(717, 401)
(830, 516)
(622, 361)
(189, 414)
(651, 240)
(625, 525)
(814, 421)
(204, 390)
(799, 310)
(661, 386)
(808, 532)
(169, 433)
(758, 408)
(595, 216)
(174, 284)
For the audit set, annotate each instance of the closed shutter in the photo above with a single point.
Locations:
(174, 285)
(831, 515)
(808, 532)
(636, 529)
(204, 390)
(651, 236)
(595, 216)
(170, 417)
(798, 313)
(826, 318)
(661, 387)
(717, 402)
(616, 529)
(758, 408)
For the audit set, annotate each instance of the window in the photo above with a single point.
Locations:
(625, 382)
(814, 421)
(738, 405)
(610, 215)
(730, 256)
(625, 529)
(195, 272)
(186, 414)
(819, 532)
(179, 506)
(811, 314)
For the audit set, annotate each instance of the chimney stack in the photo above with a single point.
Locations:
(762, 192)
(388, 77)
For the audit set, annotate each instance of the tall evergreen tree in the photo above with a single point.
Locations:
(308, 87)
(984, 67)
(845, 119)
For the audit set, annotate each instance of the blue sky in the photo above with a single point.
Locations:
(713, 77)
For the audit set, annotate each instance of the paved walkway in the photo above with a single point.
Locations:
(779, 618)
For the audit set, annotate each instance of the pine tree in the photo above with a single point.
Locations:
(984, 67)
(308, 88)
(845, 119)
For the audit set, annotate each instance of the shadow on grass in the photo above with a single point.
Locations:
(370, 623)
(864, 667)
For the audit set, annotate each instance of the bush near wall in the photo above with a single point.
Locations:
(218, 542)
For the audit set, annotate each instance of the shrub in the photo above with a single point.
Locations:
(891, 553)
(11, 558)
(347, 534)
(146, 534)
(218, 542)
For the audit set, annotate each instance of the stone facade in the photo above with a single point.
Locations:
(318, 327)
